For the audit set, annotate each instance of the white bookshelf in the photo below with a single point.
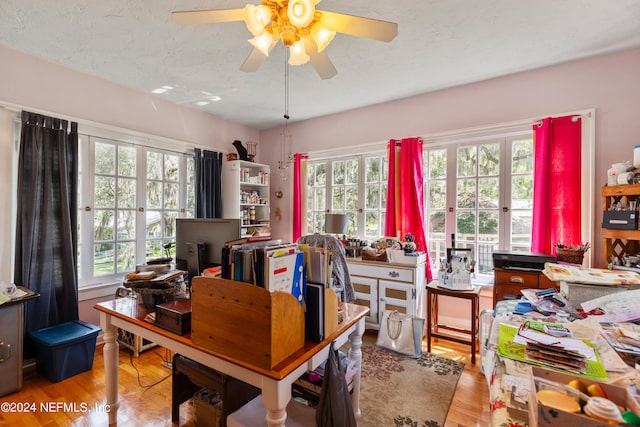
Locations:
(245, 195)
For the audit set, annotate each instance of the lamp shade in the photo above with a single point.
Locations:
(336, 223)
(321, 35)
(256, 18)
(297, 54)
(301, 12)
(263, 42)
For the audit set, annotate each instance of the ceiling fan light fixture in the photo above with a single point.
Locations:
(263, 42)
(288, 35)
(321, 35)
(297, 54)
(256, 18)
(301, 12)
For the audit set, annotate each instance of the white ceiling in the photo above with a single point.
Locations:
(440, 44)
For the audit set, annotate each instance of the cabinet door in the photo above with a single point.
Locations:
(11, 349)
(366, 290)
(397, 296)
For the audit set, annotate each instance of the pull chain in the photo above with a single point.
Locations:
(286, 84)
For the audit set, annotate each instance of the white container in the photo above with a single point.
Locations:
(397, 256)
(636, 156)
(612, 177)
(614, 172)
(625, 178)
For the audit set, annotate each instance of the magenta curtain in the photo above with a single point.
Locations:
(297, 197)
(405, 194)
(556, 183)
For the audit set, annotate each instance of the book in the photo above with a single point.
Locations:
(248, 239)
(314, 315)
(286, 274)
(318, 266)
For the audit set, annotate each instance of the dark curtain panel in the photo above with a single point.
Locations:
(47, 222)
(208, 183)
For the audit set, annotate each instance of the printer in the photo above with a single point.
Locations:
(515, 260)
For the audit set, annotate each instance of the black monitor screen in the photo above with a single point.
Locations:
(207, 234)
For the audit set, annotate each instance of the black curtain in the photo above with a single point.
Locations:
(208, 183)
(47, 220)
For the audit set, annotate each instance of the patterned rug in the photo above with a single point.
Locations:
(401, 391)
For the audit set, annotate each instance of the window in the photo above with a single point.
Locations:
(479, 192)
(357, 187)
(478, 186)
(130, 197)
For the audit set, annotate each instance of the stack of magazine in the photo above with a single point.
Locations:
(550, 350)
(550, 345)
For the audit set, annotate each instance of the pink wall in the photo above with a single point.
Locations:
(608, 83)
(32, 83)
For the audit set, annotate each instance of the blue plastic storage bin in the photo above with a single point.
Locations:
(65, 350)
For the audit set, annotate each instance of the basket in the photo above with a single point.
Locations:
(152, 297)
(373, 256)
(573, 256)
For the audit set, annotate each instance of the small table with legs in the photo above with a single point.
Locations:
(433, 327)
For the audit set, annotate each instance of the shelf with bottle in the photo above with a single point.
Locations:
(252, 197)
(251, 176)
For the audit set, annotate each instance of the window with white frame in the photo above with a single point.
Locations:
(130, 197)
(479, 195)
(355, 185)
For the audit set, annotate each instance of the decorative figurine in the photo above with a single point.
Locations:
(409, 246)
(242, 152)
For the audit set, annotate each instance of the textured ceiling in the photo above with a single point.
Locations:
(440, 44)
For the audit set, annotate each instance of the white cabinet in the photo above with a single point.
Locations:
(245, 195)
(381, 286)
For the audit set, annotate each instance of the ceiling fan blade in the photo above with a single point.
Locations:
(195, 17)
(320, 60)
(359, 26)
(253, 61)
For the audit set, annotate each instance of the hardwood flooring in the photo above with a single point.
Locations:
(145, 394)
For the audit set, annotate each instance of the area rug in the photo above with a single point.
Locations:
(396, 390)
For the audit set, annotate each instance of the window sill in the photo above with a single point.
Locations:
(98, 291)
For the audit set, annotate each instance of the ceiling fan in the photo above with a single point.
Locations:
(305, 30)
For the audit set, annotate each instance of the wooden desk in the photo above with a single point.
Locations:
(433, 291)
(128, 314)
(509, 283)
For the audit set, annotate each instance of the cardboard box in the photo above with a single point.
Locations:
(541, 415)
(65, 350)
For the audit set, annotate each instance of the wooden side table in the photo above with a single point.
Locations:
(433, 327)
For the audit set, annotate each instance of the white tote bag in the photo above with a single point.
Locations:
(401, 333)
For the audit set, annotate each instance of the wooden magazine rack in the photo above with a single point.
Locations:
(245, 322)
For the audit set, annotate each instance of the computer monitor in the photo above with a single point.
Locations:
(199, 242)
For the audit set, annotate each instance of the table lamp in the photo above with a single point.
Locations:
(336, 223)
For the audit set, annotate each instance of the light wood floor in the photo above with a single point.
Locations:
(145, 394)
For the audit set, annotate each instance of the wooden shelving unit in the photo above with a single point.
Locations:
(620, 242)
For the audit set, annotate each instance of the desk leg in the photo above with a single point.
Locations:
(355, 354)
(110, 352)
(475, 308)
(275, 397)
(430, 297)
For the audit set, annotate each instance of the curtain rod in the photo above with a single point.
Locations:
(574, 118)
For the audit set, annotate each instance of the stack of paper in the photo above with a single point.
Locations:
(596, 276)
(531, 344)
